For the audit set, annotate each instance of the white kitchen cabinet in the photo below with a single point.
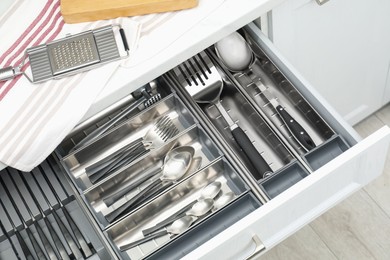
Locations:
(341, 48)
(296, 206)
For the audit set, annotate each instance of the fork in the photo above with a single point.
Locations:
(147, 99)
(162, 130)
(203, 82)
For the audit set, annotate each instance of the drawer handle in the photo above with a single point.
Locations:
(321, 2)
(259, 247)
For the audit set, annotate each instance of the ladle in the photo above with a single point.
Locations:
(175, 166)
(178, 226)
(247, 62)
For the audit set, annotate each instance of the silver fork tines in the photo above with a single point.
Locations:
(162, 130)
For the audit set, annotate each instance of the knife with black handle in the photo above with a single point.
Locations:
(297, 131)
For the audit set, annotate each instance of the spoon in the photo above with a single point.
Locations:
(195, 165)
(237, 56)
(177, 227)
(234, 52)
(200, 208)
(139, 179)
(173, 169)
(208, 193)
(223, 200)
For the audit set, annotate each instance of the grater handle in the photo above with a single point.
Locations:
(8, 73)
(124, 39)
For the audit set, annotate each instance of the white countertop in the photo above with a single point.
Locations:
(230, 16)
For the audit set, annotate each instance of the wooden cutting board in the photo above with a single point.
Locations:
(76, 11)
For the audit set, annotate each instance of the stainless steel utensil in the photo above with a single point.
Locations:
(111, 163)
(296, 130)
(173, 169)
(71, 55)
(177, 227)
(109, 200)
(162, 130)
(250, 67)
(203, 82)
(208, 192)
(147, 99)
(119, 192)
(223, 200)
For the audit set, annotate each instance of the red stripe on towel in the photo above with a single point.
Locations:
(15, 80)
(32, 25)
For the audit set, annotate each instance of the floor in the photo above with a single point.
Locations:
(358, 228)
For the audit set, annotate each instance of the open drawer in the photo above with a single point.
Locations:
(326, 186)
(266, 209)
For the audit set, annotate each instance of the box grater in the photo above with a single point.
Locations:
(71, 55)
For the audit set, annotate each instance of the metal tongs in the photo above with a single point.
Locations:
(70, 55)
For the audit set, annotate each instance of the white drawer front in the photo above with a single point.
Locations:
(303, 202)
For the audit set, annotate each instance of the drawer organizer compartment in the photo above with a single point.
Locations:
(147, 189)
(294, 145)
(223, 129)
(266, 86)
(209, 228)
(218, 177)
(117, 190)
(128, 142)
(41, 218)
(205, 85)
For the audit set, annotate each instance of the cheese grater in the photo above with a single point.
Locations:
(70, 55)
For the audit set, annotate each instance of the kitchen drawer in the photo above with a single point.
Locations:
(305, 183)
(311, 196)
(263, 211)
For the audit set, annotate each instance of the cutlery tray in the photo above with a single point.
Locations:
(220, 159)
(129, 228)
(244, 205)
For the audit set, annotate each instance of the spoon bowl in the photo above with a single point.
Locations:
(210, 191)
(180, 225)
(201, 207)
(174, 168)
(177, 163)
(234, 52)
(223, 200)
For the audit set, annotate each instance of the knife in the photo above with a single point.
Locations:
(297, 131)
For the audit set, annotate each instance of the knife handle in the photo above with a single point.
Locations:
(250, 151)
(296, 129)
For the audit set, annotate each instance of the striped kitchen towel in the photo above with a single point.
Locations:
(34, 118)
